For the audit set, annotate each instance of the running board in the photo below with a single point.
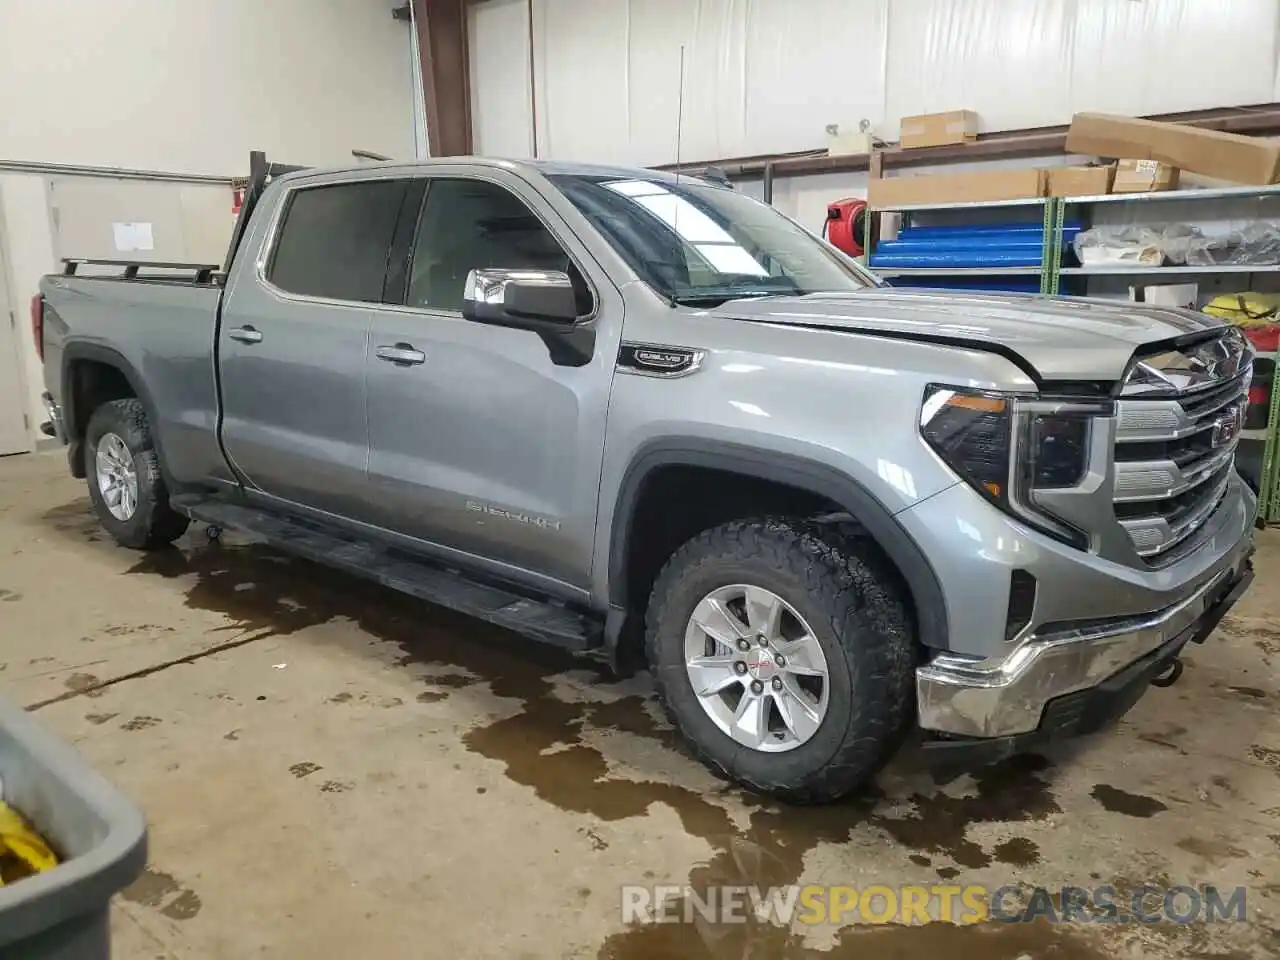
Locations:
(543, 620)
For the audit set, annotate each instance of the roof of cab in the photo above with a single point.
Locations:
(546, 167)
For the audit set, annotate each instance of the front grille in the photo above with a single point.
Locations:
(1174, 457)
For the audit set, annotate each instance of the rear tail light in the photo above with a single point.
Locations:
(37, 324)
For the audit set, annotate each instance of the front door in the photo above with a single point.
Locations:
(293, 344)
(478, 441)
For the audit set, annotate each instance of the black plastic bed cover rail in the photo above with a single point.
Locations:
(260, 173)
(203, 272)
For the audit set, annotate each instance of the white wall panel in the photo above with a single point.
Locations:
(501, 124)
(192, 86)
(766, 76)
(810, 63)
(712, 33)
(1010, 60)
(581, 50)
(1162, 56)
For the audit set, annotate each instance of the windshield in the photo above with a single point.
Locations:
(701, 245)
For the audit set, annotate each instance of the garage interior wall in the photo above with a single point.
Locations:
(186, 87)
(767, 76)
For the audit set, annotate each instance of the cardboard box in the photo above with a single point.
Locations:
(1144, 176)
(1079, 181)
(1251, 160)
(1184, 295)
(938, 129)
(955, 187)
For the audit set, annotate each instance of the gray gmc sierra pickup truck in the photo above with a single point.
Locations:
(625, 410)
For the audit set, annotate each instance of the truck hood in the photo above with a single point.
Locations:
(1058, 338)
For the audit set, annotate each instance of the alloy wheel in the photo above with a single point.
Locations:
(757, 669)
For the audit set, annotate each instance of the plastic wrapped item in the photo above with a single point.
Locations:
(1135, 245)
(1176, 240)
(1257, 244)
(1118, 246)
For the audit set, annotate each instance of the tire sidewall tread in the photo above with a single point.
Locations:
(154, 523)
(852, 600)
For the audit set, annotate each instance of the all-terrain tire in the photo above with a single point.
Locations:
(153, 523)
(851, 599)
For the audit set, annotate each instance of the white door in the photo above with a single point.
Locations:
(13, 428)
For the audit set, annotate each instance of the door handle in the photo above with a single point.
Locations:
(245, 334)
(402, 353)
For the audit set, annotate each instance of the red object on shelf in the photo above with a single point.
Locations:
(1265, 338)
(845, 226)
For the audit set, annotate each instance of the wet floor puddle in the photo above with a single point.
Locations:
(543, 747)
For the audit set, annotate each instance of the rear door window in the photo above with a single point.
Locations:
(335, 240)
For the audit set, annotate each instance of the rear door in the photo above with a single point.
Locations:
(293, 342)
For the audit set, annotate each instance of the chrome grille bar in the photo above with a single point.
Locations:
(1178, 423)
(1137, 482)
(1152, 536)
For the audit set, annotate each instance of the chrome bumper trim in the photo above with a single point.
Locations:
(54, 410)
(1007, 695)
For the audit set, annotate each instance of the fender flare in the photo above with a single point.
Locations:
(803, 474)
(80, 350)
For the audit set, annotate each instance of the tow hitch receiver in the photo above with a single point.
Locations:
(1169, 678)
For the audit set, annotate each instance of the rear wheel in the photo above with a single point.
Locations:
(783, 652)
(125, 484)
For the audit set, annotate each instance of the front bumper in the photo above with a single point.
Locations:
(1024, 693)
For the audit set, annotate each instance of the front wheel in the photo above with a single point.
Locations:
(784, 654)
(125, 484)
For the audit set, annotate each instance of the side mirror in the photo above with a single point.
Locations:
(541, 300)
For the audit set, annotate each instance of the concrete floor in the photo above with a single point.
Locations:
(331, 770)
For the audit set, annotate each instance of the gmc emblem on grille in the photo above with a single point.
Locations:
(1227, 427)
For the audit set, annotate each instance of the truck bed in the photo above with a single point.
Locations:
(160, 330)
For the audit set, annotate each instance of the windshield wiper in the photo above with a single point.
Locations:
(713, 298)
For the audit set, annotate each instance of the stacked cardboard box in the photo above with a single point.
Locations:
(1229, 156)
(1079, 181)
(1150, 154)
(938, 129)
(956, 187)
(1145, 176)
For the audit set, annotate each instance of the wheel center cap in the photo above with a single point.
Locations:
(760, 665)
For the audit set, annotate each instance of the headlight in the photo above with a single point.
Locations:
(972, 432)
(1008, 447)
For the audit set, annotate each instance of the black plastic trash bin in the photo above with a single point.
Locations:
(101, 837)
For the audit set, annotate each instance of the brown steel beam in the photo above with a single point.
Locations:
(446, 74)
(1260, 120)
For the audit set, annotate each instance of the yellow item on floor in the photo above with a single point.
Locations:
(1249, 309)
(22, 851)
